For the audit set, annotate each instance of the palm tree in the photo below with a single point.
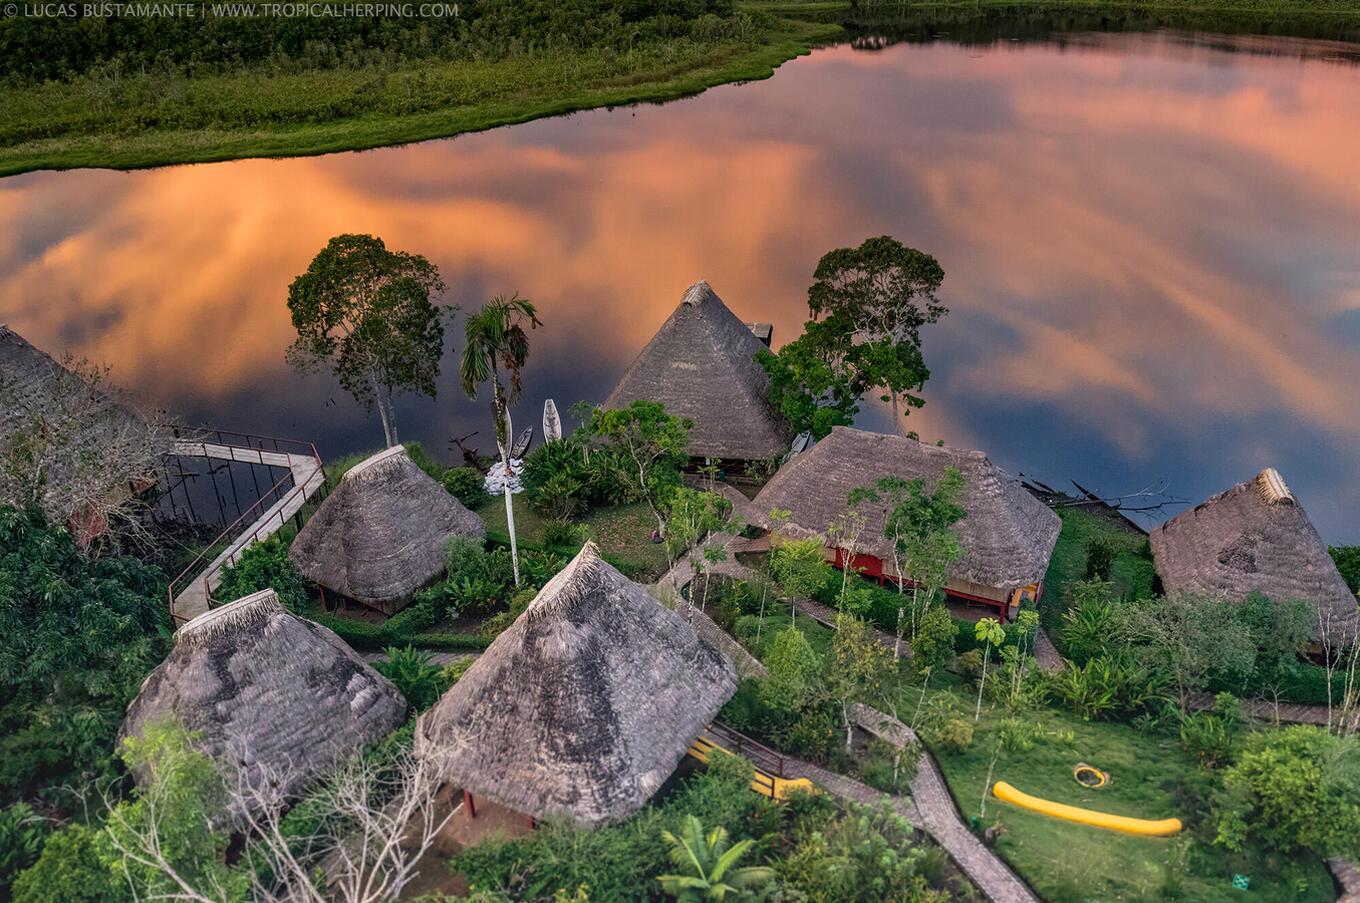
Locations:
(496, 340)
(708, 862)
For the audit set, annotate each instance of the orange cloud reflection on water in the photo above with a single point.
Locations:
(1150, 248)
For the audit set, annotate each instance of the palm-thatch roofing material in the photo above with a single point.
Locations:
(269, 694)
(379, 537)
(1007, 534)
(1255, 537)
(701, 364)
(583, 707)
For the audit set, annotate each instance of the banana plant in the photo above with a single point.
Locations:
(708, 865)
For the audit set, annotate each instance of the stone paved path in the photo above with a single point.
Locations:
(1349, 878)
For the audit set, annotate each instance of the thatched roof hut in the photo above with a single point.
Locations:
(584, 706)
(1255, 537)
(701, 364)
(267, 690)
(379, 537)
(1008, 535)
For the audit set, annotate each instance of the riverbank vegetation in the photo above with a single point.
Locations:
(143, 92)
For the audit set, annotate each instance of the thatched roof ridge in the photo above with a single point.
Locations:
(1254, 537)
(583, 707)
(379, 537)
(701, 364)
(1008, 535)
(268, 690)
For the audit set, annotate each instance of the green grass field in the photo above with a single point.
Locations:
(1069, 863)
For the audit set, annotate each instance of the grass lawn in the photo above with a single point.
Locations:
(623, 534)
(1069, 863)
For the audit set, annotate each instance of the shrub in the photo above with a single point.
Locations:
(933, 646)
(970, 664)
(468, 485)
(872, 853)
(563, 534)
(73, 869)
(793, 667)
(1290, 789)
(1208, 737)
(1099, 558)
(492, 626)
(955, 734)
(377, 637)
(264, 565)
(22, 832)
(415, 675)
(1088, 627)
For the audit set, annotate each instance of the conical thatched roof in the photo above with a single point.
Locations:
(266, 689)
(380, 535)
(1255, 537)
(1007, 534)
(584, 706)
(701, 364)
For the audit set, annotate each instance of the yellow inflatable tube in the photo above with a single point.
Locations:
(1145, 826)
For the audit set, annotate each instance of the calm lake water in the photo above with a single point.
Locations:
(1152, 246)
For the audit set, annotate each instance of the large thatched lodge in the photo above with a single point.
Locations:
(1256, 538)
(582, 708)
(1007, 534)
(701, 364)
(379, 537)
(274, 696)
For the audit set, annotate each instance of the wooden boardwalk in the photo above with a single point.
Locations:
(307, 478)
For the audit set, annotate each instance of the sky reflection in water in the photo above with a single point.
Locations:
(1152, 249)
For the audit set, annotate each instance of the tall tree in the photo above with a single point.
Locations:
(366, 312)
(873, 300)
(920, 526)
(649, 446)
(498, 341)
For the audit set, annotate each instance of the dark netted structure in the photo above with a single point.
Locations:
(379, 536)
(1255, 537)
(1007, 535)
(584, 706)
(701, 364)
(267, 691)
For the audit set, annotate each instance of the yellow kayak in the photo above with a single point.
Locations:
(1149, 827)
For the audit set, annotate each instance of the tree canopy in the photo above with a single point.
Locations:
(80, 635)
(367, 313)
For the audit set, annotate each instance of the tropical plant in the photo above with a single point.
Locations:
(859, 667)
(808, 384)
(415, 675)
(708, 863)
(1090, 625)
(1347, 560)
(644, 448)
(799, 568)
(990, 633)
(80, 635)
(366, 312)
(497, 339)
(468, 485)
(265, 565)
(22, 833)
(933, 645)
(1099, 558)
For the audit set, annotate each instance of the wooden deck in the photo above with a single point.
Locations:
(305, 473)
